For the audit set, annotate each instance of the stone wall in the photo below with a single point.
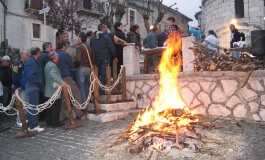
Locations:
(217, 15)
(224, 94)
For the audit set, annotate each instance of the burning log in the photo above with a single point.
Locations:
(174, 112)
(137, 148)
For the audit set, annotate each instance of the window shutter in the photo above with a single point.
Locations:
(239, 8)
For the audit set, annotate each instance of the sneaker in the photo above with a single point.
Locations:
(37, 129)
(19, 125)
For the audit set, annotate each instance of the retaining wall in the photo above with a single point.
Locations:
(224, 94)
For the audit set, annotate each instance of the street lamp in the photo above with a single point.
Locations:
(234, 21)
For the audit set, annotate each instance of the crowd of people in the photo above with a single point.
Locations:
(38, 71)
(211, 41)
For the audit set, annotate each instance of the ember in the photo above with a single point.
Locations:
(169, 123)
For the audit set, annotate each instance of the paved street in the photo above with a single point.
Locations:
(240, 140)
(55, 143)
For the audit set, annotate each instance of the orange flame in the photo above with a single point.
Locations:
(169, 93)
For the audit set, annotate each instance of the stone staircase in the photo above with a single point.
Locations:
(115, 109)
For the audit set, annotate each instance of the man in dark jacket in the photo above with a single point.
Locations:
(162, 37)
(83, 65)
(119, 48)
(20, 80)
(103, 49)
(235, 37)
(34, 82)
(6, 79)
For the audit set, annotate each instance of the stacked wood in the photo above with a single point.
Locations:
(208, 60)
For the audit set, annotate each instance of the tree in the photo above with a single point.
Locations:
(145, 10)
(63, 15)
(115, 8)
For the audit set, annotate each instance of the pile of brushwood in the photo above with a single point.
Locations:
(208, 60)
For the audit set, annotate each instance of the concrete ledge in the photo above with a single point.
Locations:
(257, 73)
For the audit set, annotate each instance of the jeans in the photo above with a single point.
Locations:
(149, 63)
(34, 100)
(235, 54)
(24, 96)
(102, 67)
(6, 91)
(83, 81)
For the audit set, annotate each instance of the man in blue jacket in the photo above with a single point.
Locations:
(20, 80)
(65, 64)
(34, 81)
(151, 41)
(103, 49)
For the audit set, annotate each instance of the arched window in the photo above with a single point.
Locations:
(239, 8)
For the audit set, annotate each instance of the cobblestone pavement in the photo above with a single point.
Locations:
(242, 140)
(55, 143)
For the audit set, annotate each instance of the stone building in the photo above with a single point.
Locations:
(248, 15)
(23, 31)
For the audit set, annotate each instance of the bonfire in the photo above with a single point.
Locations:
(169, 122)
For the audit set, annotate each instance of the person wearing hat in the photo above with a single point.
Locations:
(6, 80)
(53, 78)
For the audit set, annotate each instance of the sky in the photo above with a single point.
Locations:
(187, 7)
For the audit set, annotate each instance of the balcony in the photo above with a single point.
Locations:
(91, 7)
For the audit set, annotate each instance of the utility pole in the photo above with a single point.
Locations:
(3, 2)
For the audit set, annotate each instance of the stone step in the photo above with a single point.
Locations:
(113, 98)
(111, 116)
(119, 106)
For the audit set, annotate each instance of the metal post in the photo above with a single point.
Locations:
(108, 75)
(115, 75)
(44, 27)
(123, 84)
(70, 111)
(25, 132)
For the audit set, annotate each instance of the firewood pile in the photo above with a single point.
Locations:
(208, 60)
(169, 135)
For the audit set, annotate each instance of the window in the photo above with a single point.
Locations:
(36, 30)
(35, 4)
(132, 17)
(87, 4)
(239, 8)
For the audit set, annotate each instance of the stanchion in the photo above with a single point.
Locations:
(96, 92)
(70, 111)
(123, 84)
(96, 96)
(25, 132)
(108, 75)
(115, 76)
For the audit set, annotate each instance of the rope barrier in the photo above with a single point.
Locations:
(39, 108)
